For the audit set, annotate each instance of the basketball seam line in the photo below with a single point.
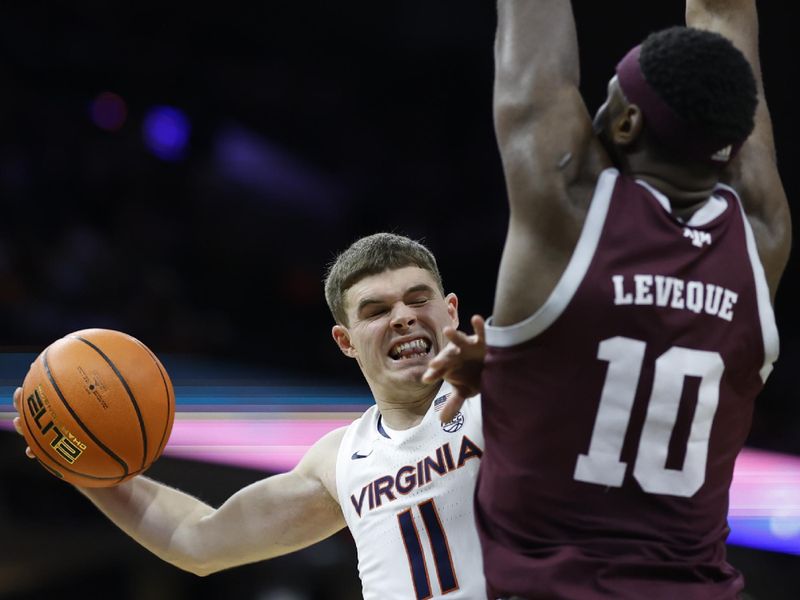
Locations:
(33, 437)
(166, 389)
(130, 395)
(96, 440)
(44, 451)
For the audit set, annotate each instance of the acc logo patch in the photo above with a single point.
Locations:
(454, 425)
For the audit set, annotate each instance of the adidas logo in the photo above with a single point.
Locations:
(723, 154)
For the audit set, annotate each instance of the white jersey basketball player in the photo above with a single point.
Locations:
(407, 499)
(401, 480)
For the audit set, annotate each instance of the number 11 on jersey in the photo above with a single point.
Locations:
(602, 464)
(439, 546)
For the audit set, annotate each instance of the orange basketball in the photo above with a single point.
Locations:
(97, 407)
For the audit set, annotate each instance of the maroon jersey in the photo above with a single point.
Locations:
(614, 414)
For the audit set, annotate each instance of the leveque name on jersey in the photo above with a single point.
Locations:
(409, 477)
(662, 290)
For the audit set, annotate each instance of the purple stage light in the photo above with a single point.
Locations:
(166, 132)
(274, 174)
(108, 111)
(251, 441)
(764, 498)
(765, 501)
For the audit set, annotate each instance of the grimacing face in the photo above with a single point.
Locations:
(395, 322)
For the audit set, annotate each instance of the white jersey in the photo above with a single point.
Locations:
(407, 497)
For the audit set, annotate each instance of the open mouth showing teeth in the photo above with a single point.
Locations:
(418, 347)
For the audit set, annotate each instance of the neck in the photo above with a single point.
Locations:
(687, 186)
(684, 202)
(405, 408)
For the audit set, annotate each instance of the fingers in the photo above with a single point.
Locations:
(18, 427)
(440, 363)
(17, 398)
(462, 340)
(479, 327)
(456, 337)
(18, 420)
(451, 407)
(449, 357)
(453, 336)
(432, 374)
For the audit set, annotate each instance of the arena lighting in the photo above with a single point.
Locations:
(764, 509)
(259, 427)
(108, 111)
(270, 427)
(274, 174)
(166, 130)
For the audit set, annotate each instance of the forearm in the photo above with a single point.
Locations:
(721, 8)
(754, 171)
(539, 115)
(160, 518)
(735, 19)
(271, 517)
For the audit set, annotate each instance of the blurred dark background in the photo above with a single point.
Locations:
(306, 126)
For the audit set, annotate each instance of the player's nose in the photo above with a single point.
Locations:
(403, 317)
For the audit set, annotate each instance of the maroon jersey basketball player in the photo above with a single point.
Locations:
(633, 325)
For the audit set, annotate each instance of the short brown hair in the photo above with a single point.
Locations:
(371, 255)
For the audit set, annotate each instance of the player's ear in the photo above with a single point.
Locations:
(627, 126)
(342, 338)
(452, 308)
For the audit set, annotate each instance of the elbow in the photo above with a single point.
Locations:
(194, 548)
(513, 115)
(515, 101)
(514, 109)
(194, 555)
(195, 566)
(200, 571)
(508, 107)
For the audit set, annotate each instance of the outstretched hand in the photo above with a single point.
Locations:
(460, 363)
(18, 419)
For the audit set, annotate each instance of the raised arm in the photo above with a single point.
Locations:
(547, 146)
(271, 517)
(754, 172)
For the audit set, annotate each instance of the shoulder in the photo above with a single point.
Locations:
(755, 178)
(329, 443)
(319, 461)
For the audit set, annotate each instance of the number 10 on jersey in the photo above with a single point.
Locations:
(602, 464)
